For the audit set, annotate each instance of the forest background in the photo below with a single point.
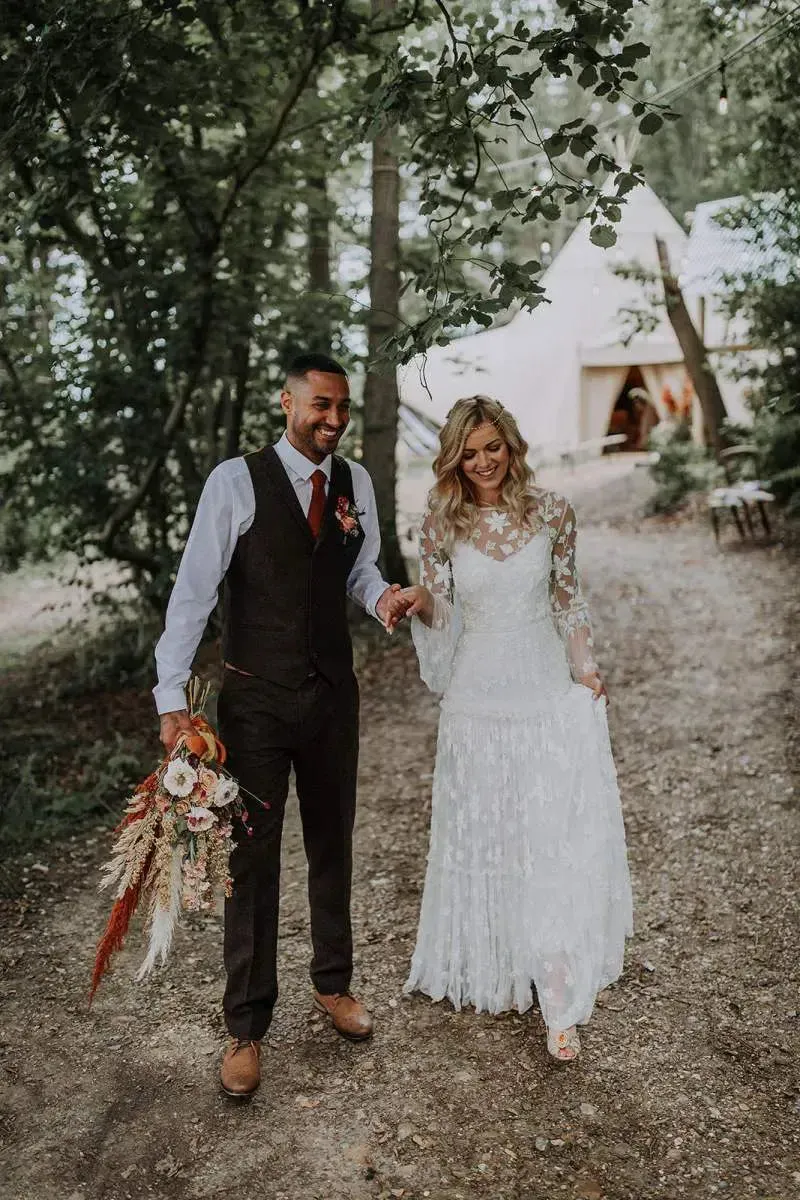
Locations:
(197, 191)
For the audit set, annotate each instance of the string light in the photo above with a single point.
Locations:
(723, 91)
(761, 38)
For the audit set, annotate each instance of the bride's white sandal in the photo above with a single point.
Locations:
(564, 1044)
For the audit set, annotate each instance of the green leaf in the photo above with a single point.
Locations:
(503, 200)
(638, 50)
(603, 235)
(651, 122)
(555, 145)
(626, 183)
(580, 146)
(522, 87)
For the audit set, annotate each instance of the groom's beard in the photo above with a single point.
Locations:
(314, 442)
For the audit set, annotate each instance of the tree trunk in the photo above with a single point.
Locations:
(237, 399)
(319, 258)
(694, 353)
(381, 399)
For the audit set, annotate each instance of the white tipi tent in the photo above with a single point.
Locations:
(561, 368)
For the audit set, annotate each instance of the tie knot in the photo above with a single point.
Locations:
(318, 480)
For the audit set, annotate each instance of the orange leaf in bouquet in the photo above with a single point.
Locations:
(216, 748)
(195, 743)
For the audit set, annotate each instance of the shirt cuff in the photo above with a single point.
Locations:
(373, 596)
(169, 699)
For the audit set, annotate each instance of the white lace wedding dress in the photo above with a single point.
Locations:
(527, 879)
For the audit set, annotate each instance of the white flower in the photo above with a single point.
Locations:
(507, 548)
(441, 575)
(179, 778)
(227, 790)
(496, 522)
(199, 818)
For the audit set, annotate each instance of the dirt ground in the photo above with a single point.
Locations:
(687, 1086)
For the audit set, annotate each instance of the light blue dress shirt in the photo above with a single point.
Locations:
(225, 511)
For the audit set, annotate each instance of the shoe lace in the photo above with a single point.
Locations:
(242, 1044)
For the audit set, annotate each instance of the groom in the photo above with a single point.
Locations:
(292, 529)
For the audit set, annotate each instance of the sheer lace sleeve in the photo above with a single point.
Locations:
(570, 612)
(435, 644)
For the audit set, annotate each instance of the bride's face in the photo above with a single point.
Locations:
(485, 461)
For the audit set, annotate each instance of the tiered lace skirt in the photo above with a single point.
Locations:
(527, 882)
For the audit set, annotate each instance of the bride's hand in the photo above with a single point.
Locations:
(594, 682)
(420, 603)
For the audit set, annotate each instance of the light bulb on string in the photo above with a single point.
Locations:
(723, 91)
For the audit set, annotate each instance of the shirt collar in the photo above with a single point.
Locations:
(297, 463)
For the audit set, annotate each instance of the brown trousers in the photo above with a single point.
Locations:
(268, 729)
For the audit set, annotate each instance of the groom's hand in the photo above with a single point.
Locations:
(391, 607)
(173, 724)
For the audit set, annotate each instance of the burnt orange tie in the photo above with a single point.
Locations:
(316, 508)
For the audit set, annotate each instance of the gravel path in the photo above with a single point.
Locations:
(688, 1082)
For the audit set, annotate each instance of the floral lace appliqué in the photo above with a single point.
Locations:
(550, 512)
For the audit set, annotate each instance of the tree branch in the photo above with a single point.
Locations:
(128, 507)
(294, 90)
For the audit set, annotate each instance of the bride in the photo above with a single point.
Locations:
(527, 881)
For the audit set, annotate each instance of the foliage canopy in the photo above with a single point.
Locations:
(161, 163)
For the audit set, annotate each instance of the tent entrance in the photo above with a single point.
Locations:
(633, 414)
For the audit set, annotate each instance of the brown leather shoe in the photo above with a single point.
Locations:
(240, 1073)
(348, 1015)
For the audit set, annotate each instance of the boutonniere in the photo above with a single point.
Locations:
(347, 515)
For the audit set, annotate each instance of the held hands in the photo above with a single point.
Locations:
(419, 603)
(391, 607)
(173, 724)
(397, 603)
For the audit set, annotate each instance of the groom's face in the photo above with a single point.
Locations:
(317, 409)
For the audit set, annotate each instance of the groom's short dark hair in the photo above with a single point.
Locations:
(303, 363)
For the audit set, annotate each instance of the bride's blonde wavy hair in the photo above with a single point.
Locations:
(453, 504)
